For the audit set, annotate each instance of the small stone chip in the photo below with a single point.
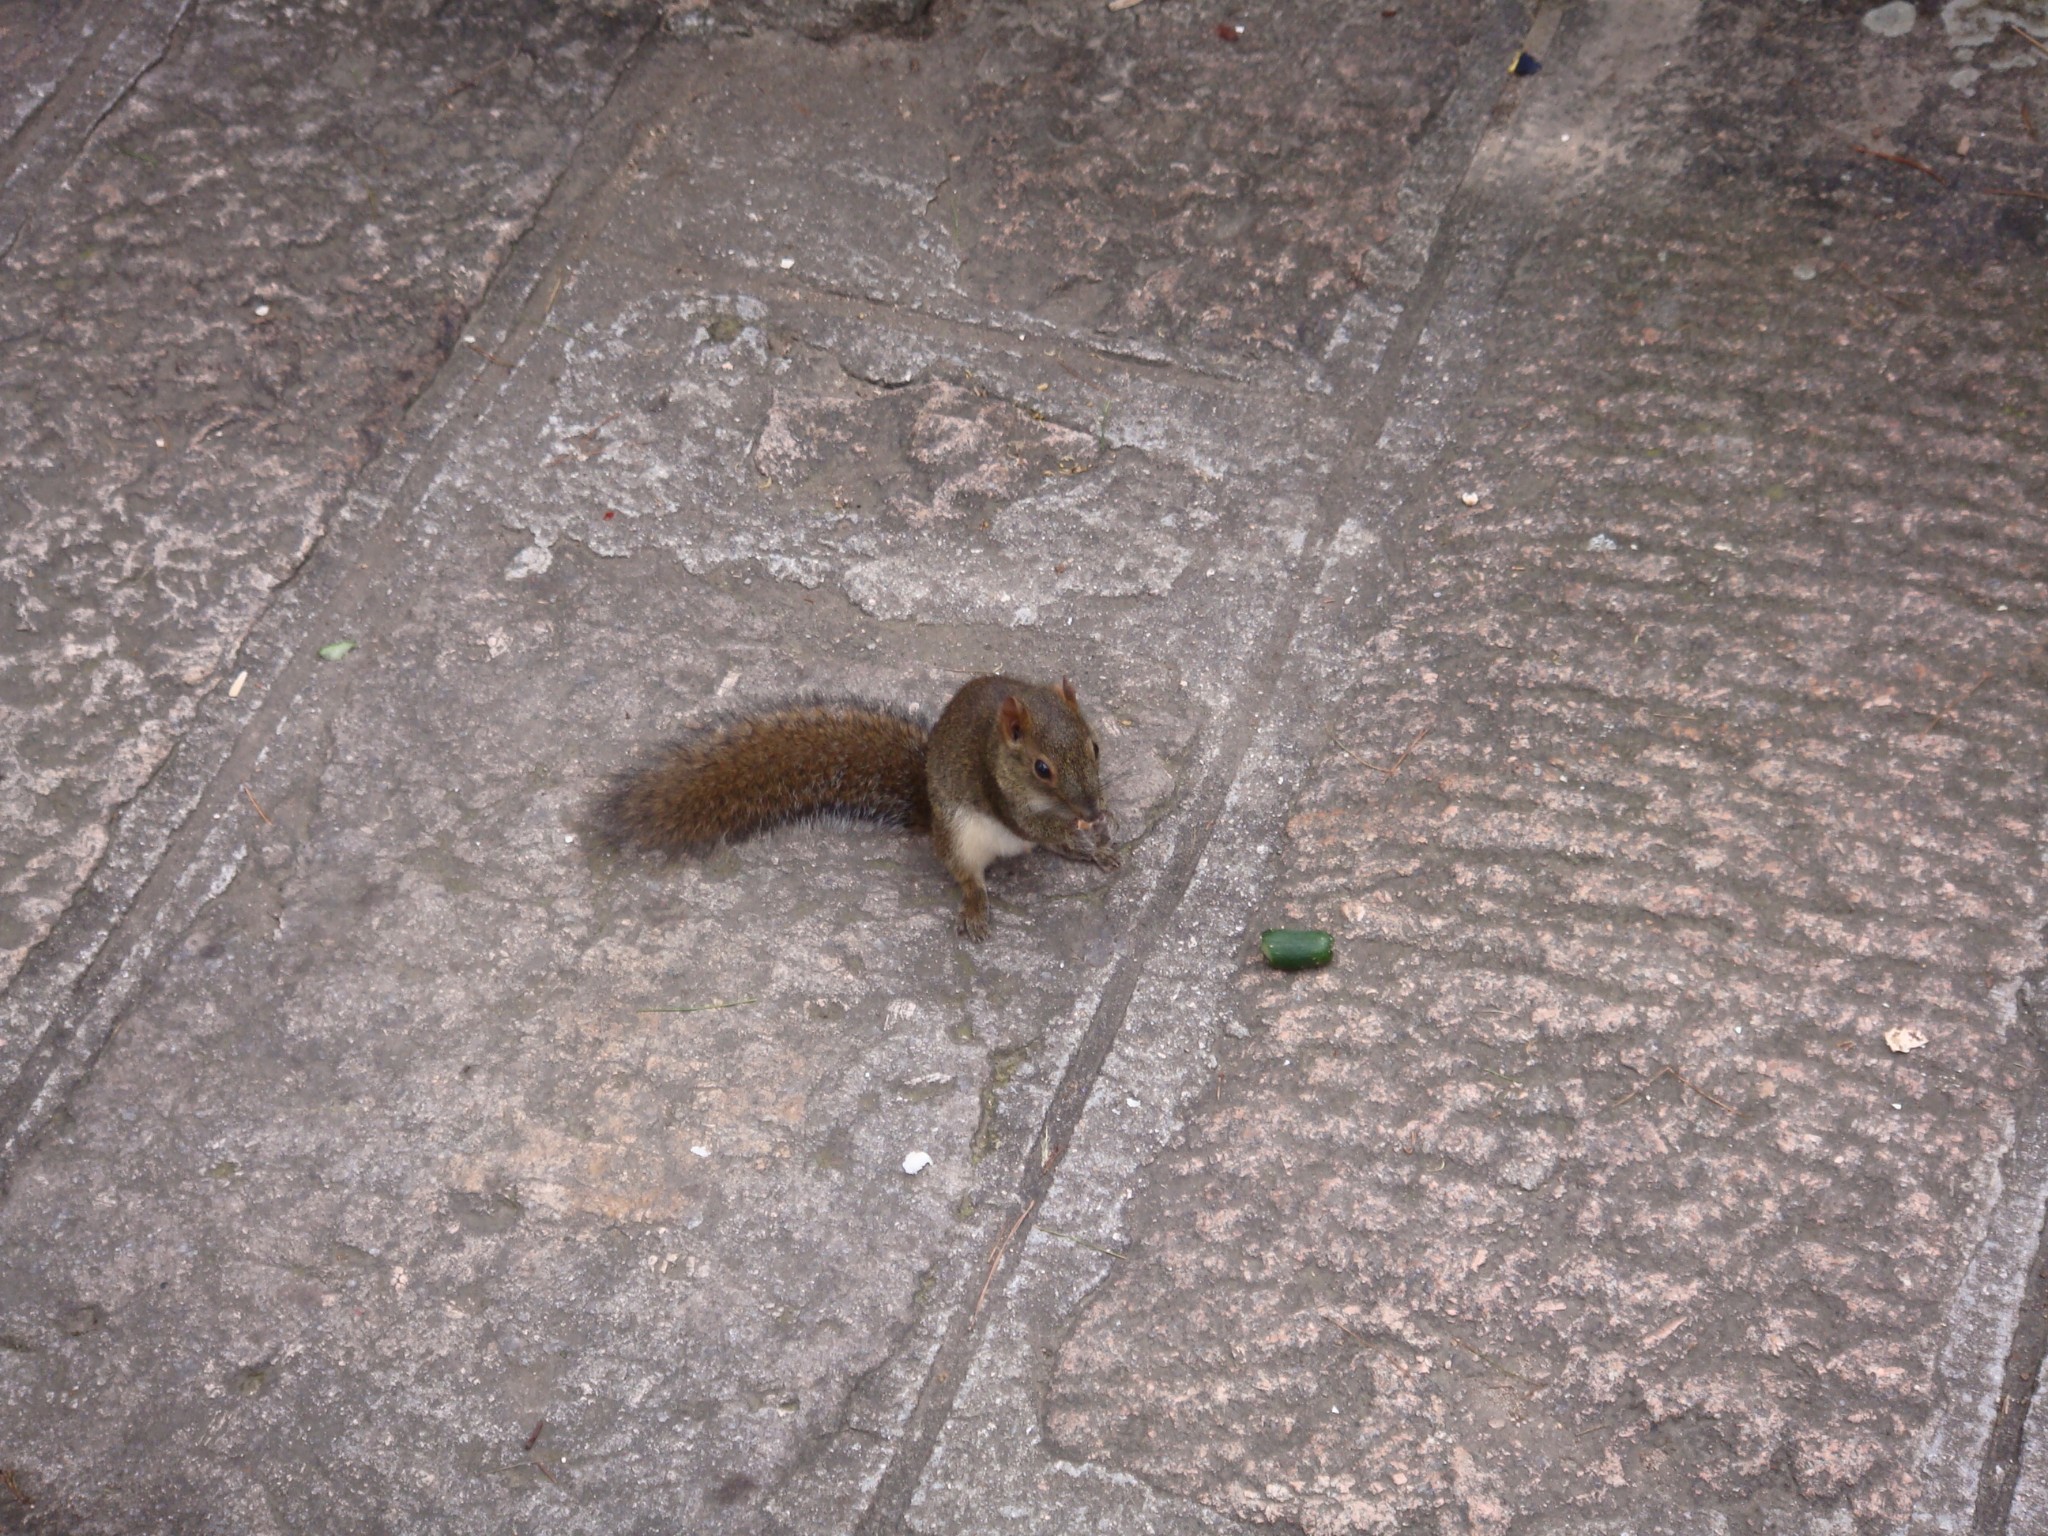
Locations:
(916, 1163)
(1903, 1040)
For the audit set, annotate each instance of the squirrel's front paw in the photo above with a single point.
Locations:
(1088, 842)
(973, 922)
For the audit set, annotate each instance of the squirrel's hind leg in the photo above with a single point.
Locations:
(967, 842)
(973, 919)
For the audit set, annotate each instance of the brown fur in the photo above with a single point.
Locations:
(1009, 766)
(743, 774)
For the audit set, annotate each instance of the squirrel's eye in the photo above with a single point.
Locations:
(1043, 769)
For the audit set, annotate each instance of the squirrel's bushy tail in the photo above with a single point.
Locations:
(744, 773)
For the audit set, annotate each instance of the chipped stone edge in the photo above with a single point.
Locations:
(1982, 1315)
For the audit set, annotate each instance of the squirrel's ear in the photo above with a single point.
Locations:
(1067, 692)
(1012, 720)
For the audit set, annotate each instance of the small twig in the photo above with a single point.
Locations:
(702, 1007)
(1907, 161)
(2039, 197)
(223, 420)
(1948, 711)
(1651, 1081)
(534, 1438)
(488, 357)
(1350, 1333)
(1635, 1092)
(541, 1467)
(1486, 1359)
(1081, 1242)
(479, 77)
(259, 809)
(1412, 745)
(7, 1481)
(2027, 120)
(1867, 286)
(995, 1259)
(1730, 1108)
(2031, 40)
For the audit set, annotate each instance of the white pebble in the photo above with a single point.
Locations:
(1894, 19)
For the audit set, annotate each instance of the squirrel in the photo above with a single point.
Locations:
(1009, 766)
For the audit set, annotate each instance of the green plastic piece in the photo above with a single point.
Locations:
(337, 650)
(1296, 949)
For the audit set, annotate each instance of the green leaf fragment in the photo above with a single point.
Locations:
(337, 650)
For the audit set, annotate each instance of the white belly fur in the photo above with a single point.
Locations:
(980, 840)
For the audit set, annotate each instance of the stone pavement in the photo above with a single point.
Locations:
(1578, 537)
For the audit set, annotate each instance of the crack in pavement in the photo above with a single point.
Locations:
(1389, 387)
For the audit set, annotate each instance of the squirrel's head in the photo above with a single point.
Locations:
(1049, 754)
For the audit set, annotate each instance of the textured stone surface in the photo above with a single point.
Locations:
(1591, 562)
(1130, 179)
(739, 1174)
(1699, 752)
(44, 44)
(971, 490)
(684, 1240)
(1174, 180)
(215, 314)
(819, 20)
(399, 1212)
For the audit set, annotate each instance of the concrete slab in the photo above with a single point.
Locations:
(1254, 204)
(1595, 1188)
(670, 494)
(1614, 615)
(238, 244)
